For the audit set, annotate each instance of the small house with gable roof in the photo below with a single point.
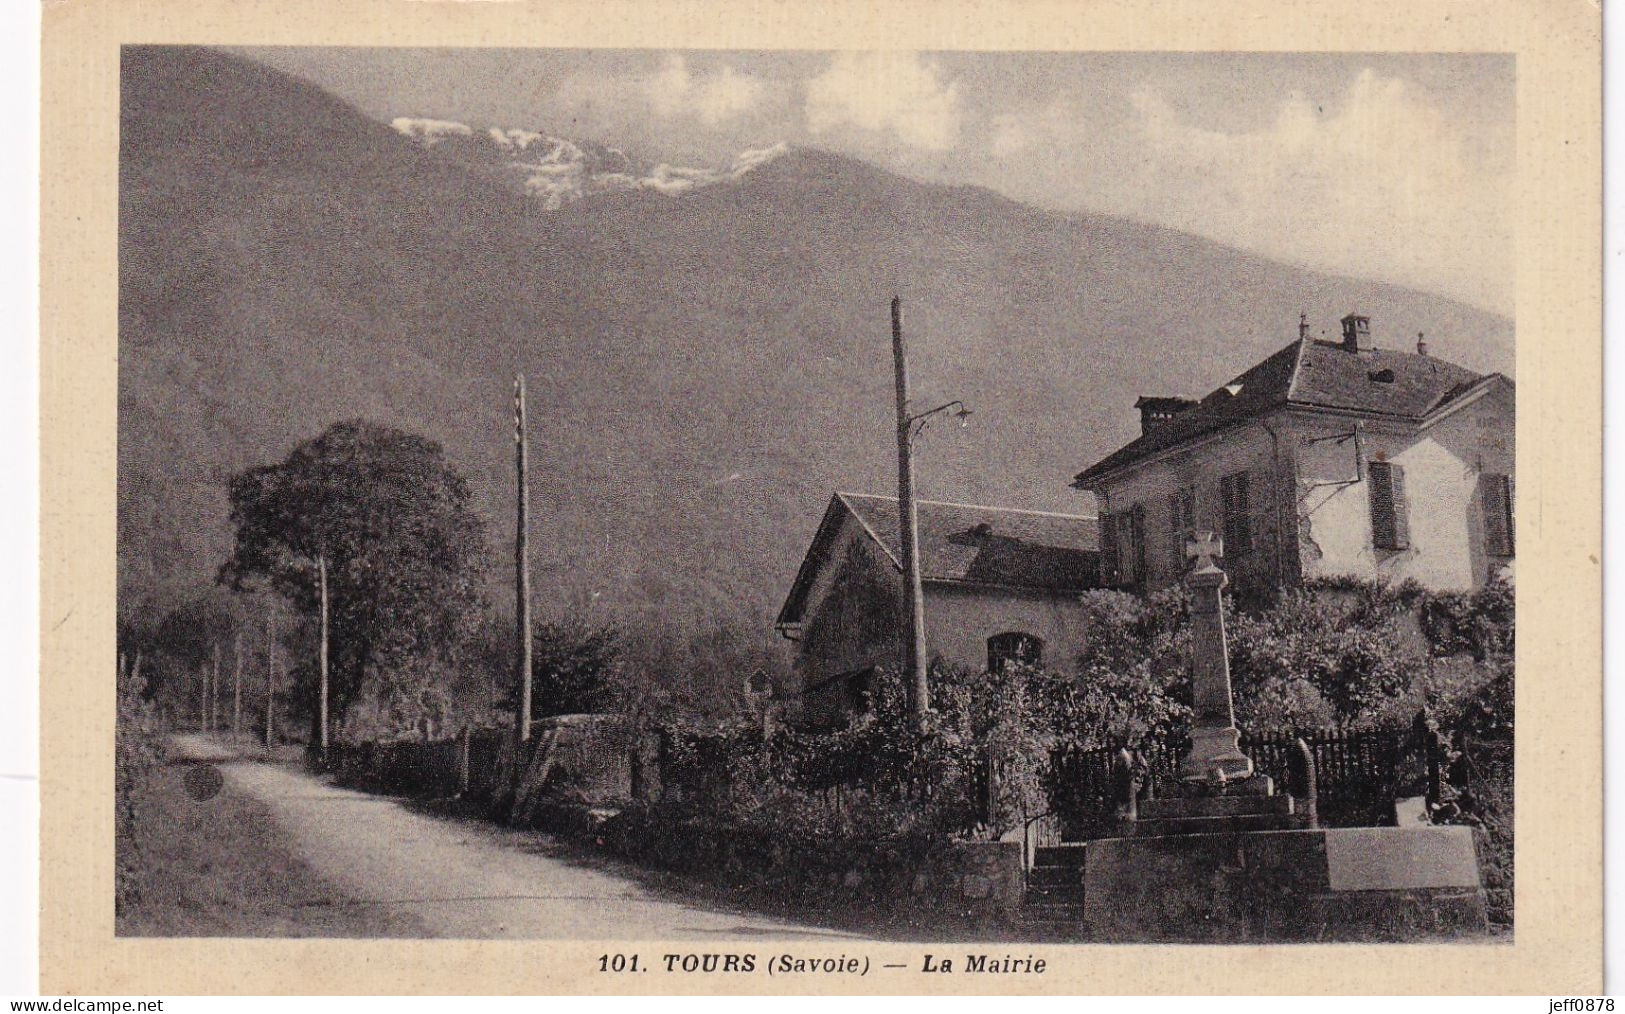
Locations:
(1329, 458)
(999, 584)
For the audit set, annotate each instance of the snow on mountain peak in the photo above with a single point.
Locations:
(557, 171)
(430, 132)
(750, 158)
(514, 139)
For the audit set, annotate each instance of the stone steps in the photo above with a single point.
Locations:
(1055, 893)
(1058, 876)
(1220, 824)
(1054, 897)
(1215, 806)
(1059, 855)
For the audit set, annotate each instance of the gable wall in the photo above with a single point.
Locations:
(1444, 508)
(960, 619)
(855, 616)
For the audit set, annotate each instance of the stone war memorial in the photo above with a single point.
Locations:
(1226, 855)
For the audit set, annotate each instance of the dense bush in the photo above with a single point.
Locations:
(1344, 652)
(137, 755)
(880, 776)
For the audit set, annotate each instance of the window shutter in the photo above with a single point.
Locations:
(1390, 515)
(1176, 527)
(1108, 550)
(1495, 492)
(1238, 529)
(1136, 525)
(1402, 507)
(1181, 522)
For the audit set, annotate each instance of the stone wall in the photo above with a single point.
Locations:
(1369, 883)
(976, 881)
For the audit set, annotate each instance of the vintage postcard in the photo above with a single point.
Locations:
(879, 498)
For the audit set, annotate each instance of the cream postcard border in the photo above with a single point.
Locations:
(1557, 947)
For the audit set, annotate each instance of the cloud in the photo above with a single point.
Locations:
(899, 94)
(1381, 183)
(674, 90)
(1385, 185)
(677, 92)
(1014, 134)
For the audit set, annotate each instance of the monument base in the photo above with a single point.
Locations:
(1215, 751)
(1361, 883)
(1249, 805)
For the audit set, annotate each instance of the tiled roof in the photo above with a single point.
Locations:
(966, 544)
(1310, 374)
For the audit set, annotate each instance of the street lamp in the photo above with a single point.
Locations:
(909, 426)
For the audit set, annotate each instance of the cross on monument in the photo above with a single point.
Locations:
(1215, 753)
(1206, 549)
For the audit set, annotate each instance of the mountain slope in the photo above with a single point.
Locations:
(705, 367)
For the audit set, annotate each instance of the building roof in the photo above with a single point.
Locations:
(1308, 374)
(963, 544)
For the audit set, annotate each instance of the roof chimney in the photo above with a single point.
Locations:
(1356, 332)
(1303, 326)
(1421, 344)
(1155, 412)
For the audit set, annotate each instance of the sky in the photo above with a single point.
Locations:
(1396, 167)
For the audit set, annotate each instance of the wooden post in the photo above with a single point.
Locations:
(214, 690)
(522, 661)
(270, 683)
(914, 650)
(237, 683)
(462, 762)
(321, 578)
(203, 698)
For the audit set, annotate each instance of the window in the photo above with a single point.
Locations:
(1390, 515)
(1013, 646)
(1495, 496)
(1181, 522)
(1110, 565)
(1122, 547)
(856, 690)
(1238, 527)
(1134, 548)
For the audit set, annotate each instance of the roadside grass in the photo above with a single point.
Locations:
(222, 868)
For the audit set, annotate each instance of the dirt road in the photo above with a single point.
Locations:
(464, 878)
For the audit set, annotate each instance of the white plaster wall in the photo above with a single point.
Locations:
(1442, 465)
(960, 619)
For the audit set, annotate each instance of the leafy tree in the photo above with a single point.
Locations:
(404, 550)
(576, 667)
(1132, 673)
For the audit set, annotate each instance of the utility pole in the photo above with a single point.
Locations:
(521, 558)
(203, 698)
(237, 682)
(321, 578)
(270, 681)
(214, 691)
(914, 656)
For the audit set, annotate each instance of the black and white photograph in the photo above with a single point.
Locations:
(831, 496)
